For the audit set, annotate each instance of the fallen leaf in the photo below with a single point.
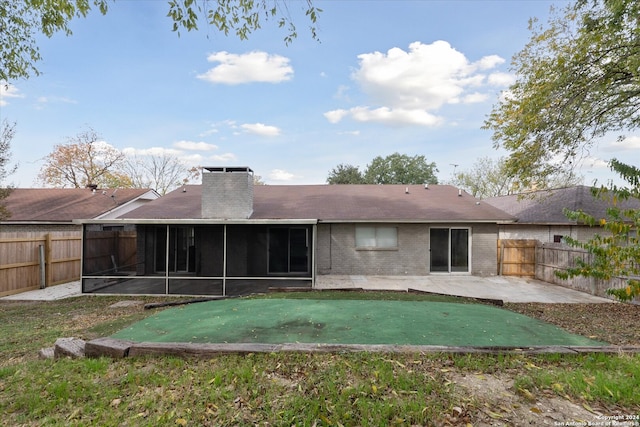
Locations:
(608, 391)
(526, 393)
(74, 414)
(494, 415)
(535, 409)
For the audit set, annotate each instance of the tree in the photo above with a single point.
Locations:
(21, 21)
(616, 253)
(241, 17)
(490, 178)
(577, 81)
(162, 172)
(257, 180)
(84, 161)
(400, 169)
(345, 174)
(7, 132)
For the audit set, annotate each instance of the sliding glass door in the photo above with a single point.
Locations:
(288, 250)
(449, 249)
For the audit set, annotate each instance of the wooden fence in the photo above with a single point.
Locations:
(20, 260)
(530, 258)
(553, 257)
(517, 258)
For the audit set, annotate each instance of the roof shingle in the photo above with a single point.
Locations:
(547, 207)
(65, 204)
(439, 203)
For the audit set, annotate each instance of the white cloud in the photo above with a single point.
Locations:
(626, 144)
(153, 151)
(427, 76)
(8, 91)
(208, 132)
(191, 159)
(406, 87)
(474, 98)
(591, 162)
(501, 79)
(396, 117)
(223, 158)
(55, 99)
(489, 62)
(194, 146)
(281, 175)
(260, 129)
(250, 67)
(336, 115)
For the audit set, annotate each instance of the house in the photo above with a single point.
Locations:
(42, 219)
(229, 237)
(533, 246)
(47, 209)
(541, 214)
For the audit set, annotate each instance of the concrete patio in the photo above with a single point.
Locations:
(505, 288)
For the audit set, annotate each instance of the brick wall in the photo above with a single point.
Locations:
(337, 254)
(545, 233)
(227, 194)
(484, 249)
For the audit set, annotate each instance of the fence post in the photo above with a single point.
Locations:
(42, 262)
(49, 267)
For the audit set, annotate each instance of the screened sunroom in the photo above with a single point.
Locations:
(182, 258)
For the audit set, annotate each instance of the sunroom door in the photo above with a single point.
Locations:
(288, 250)
(180, 250)
(449, 250)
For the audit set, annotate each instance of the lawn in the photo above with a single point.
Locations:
(364, 389)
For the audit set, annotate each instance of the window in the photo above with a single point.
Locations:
(557, 238)
(376, 237)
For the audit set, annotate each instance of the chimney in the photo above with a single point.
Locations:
(227, 192)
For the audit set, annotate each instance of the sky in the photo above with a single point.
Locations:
(413, 77)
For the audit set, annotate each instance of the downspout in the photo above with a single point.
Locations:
(314, 236)
(224, 260)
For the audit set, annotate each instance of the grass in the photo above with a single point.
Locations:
(279, 389)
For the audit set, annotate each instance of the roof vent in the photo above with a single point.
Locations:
(406, 190)
(426, 186)
(459, 192)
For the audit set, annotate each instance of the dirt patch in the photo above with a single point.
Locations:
(613, 323)
(494, 401)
